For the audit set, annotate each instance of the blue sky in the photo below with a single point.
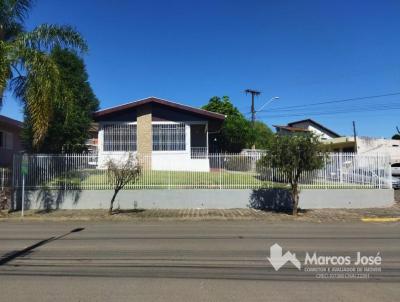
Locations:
(187, 51)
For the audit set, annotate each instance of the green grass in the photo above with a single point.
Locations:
(97, 179)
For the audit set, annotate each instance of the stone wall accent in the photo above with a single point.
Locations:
(144, 131)
(144, 135)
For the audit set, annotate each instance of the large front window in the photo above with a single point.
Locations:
(119, 137)
(169, 137)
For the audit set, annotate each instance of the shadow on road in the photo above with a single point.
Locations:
(21, 253)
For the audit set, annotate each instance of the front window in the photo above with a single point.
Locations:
(169, 137)
(119, 137)
(6, 140)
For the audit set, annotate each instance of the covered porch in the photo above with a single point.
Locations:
(198, 141)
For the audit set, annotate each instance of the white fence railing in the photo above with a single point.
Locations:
(227, 171)
(5, 178)
(198, 152)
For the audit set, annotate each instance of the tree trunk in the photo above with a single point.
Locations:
(2, 33)
(295, 197)
(112, 202)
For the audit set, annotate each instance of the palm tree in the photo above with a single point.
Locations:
(25, 65)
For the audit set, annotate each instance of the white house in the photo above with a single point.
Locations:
(307, 125)
(169, 135)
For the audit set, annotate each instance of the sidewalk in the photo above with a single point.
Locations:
(318, 215)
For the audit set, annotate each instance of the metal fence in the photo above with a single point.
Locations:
(5, 178)
(226, 171)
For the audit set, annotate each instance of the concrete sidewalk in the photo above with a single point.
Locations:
(317, 215)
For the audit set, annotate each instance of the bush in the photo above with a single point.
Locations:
(238, 163)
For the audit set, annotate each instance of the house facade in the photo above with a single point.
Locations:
(10, 140)
(169, 135)
(307, 125)
(336, 143)
(366, 145)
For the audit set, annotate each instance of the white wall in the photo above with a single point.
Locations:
(178, 161)
(322, 135)
(307, 125)
(208, 199)
(116, 156)
(367, 145)
(161, 160)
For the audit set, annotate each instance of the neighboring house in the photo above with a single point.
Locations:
(337, 143)
(307, 125)
(10, 140)
(93, 142)
(367, 145)
(171, 136)
(360, 144)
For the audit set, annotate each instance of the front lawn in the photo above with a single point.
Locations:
(98, 180)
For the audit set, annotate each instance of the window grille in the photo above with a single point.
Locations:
(119, 137)
(169, 137)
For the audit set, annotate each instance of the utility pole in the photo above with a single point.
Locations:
(355, 136)
(253, 110)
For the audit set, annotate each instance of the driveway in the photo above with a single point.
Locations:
(189, 261)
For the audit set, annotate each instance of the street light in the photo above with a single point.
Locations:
(268, 102)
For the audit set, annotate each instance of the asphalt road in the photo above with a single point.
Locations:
(189, 261)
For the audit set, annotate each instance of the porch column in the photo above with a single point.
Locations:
(144, 135)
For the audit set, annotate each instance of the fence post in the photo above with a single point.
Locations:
(169, 176)
(379, 171)
(220, 171)
(13, 184)
(2, 179)
(388, 162)
(325, 174)
(340, 168)
(65, 172)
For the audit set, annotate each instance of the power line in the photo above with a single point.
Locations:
(328, 109)
(354, 108)
(345, 111)
(286, 108)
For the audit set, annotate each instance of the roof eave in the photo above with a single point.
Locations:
(171, 104)
(317, 124)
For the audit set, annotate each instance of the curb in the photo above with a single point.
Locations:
(380, 219)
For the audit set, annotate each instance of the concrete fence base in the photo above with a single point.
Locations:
(265, 199)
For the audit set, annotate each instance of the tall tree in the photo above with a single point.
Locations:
(261, 136)
(236, 130)
(72, 113)
(26, 67)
